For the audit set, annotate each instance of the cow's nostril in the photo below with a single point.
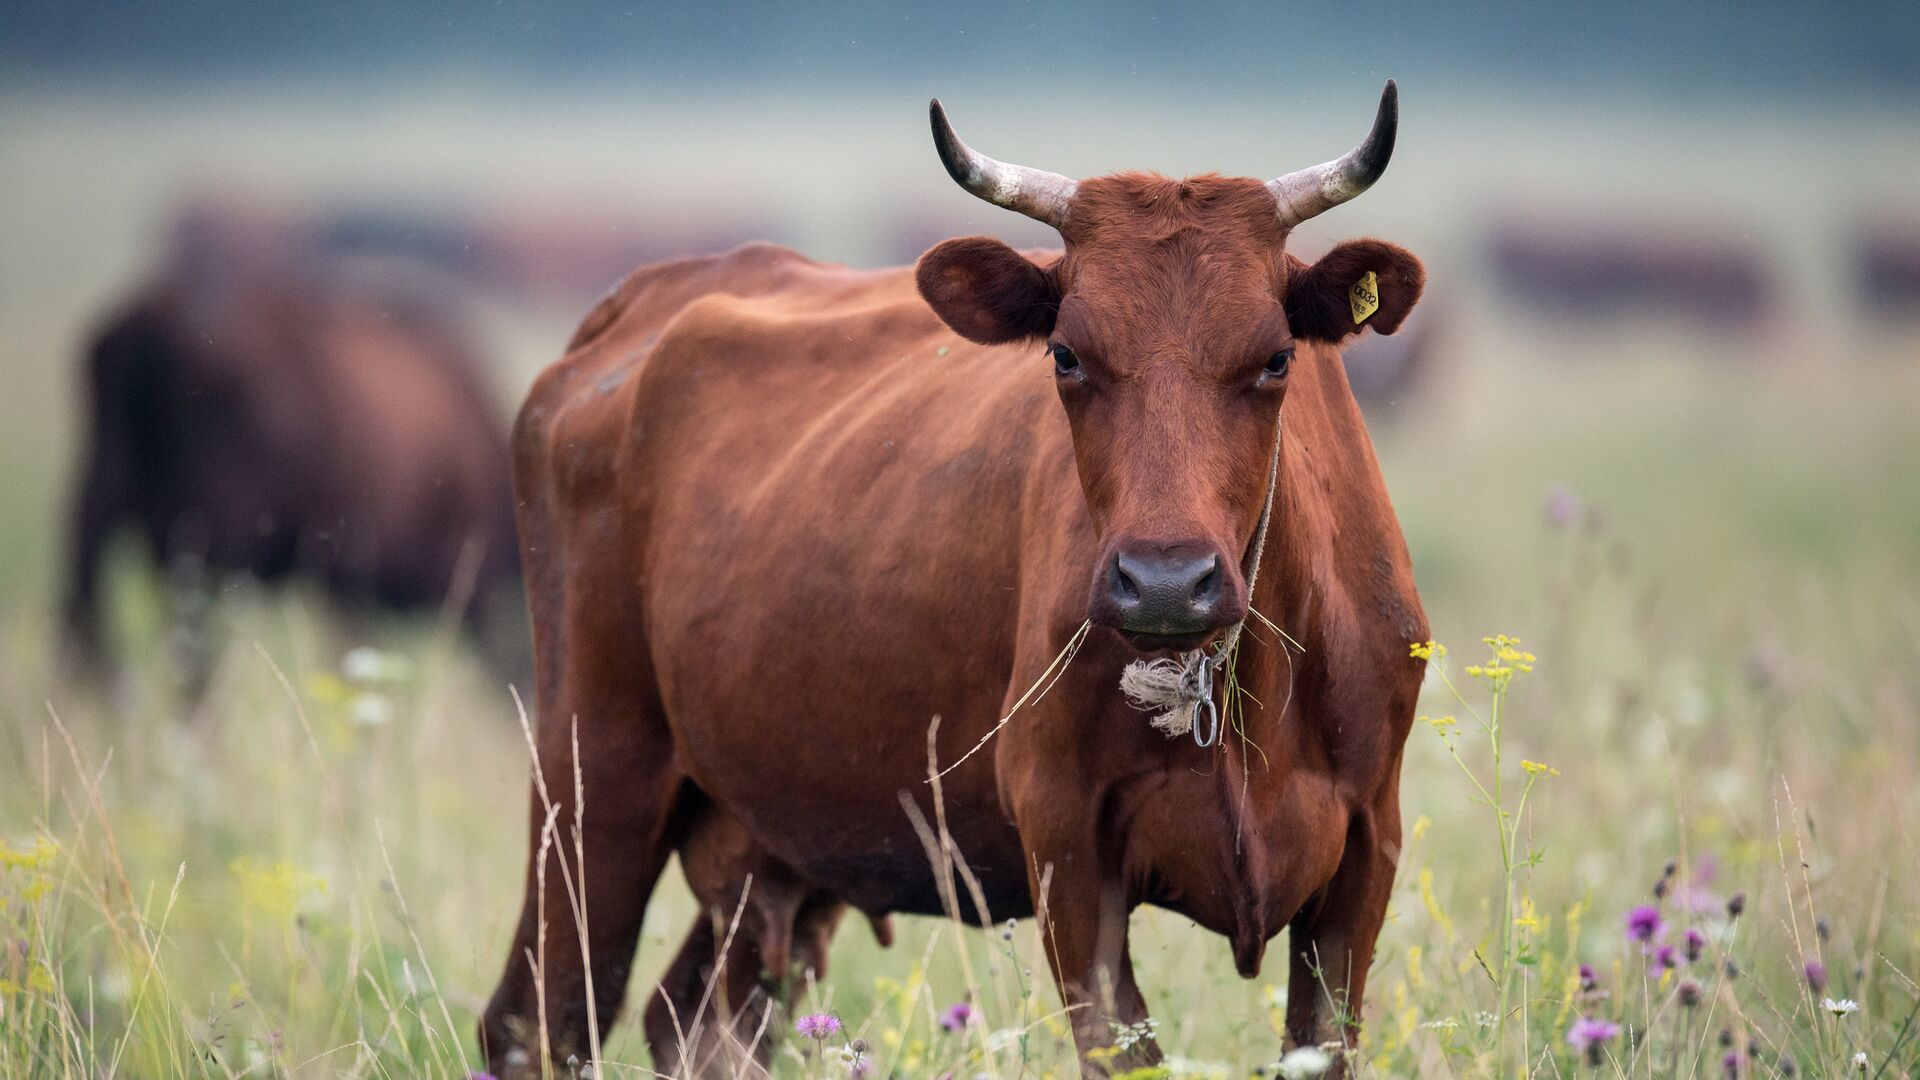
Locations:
(1126, 588)
(1206, 591)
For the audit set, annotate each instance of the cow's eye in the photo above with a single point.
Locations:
(1279, 362)
(1064, 362)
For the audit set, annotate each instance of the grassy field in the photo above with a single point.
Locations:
(1712, 549)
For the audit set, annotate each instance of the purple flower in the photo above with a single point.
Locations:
(817, 1025)
(1696, 944)
(1690, 991)
(481, 1076)
(958, 1017)
(1589, 1036)
(1562, 506)
(1644, 925)
(1665, 958)
(1731, 1063)
(1588, 979)
(1816, 973)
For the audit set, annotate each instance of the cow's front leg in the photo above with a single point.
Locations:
(1332, 940)
(1083, 909)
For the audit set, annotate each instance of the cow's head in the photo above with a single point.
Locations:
(1171, 324)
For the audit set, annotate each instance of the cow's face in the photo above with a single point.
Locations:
(1172, 325)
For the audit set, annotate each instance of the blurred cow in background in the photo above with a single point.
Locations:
(255, 410)
(1594, 272)
(1886, 269)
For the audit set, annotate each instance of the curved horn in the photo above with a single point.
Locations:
(1313, 191)
(1041, 195)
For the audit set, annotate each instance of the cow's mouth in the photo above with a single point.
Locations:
(1149, 643)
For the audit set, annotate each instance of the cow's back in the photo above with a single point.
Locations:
(815, 496)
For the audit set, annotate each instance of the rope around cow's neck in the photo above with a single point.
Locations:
(1183, 689)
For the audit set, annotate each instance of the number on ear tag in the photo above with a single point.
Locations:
(1365, 297)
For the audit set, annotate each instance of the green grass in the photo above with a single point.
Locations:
(316, 876)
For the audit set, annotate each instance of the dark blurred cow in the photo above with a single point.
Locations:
(1591, 272)
(1887, 270)
(252, 410)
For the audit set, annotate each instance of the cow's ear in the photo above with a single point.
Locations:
(987, 291)
(1331, 300)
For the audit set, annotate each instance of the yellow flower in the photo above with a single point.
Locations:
(275, 891)
(1534, 768)
(1438, 723)
(1529, 918)
(1433, 903)
(41, 854)
(1415, 976)
(1427, 650)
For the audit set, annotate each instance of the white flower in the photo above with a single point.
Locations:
(372, 710)
(1843, 1007)
(1860, 1061)
(363, 664)
(1303, 1062)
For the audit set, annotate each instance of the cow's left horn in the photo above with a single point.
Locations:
(1041, 195)
(1313, 191)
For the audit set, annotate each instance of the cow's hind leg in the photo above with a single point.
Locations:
(594, 674)
(697, 1027)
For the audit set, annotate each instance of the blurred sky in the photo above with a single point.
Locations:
(1772, 48)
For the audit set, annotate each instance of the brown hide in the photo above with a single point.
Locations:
(778, 515)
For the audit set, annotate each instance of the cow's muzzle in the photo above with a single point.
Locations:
(1174, 597)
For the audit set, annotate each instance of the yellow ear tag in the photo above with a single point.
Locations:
(1365, 297)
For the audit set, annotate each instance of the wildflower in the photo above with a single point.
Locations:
(1304, 1062)
(1660, 889)
(1816, 974)
(1689, 992)
(371, 710)
(1427, 650)
(1843, 1007)
(1665, 958)
(1787, 1066)
(1438, 723)
(1589, 1036)
(1822, 928)
(1736, 905)
(363, 664)
(1860, 1061)
(1534, 768)
(1643, 924)
(1561, 506)
(854, 1057)
(1589, 981)
(1696, 944)
(1731, 1064)
(817, 1025)
(958, 1017)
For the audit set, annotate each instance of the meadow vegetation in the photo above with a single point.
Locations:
(1669, 828)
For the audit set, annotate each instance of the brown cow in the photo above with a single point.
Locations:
(778, 515)
(251, 412)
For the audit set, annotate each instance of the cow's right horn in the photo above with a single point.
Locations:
(1041, 195)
